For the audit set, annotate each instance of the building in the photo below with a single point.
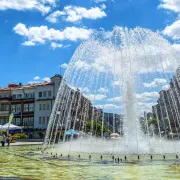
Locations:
(110, 120)
(168, 108)
(5, 98)
(31, 104)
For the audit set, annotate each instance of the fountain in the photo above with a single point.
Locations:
(111, 74)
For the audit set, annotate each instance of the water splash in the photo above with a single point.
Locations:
(109, 73)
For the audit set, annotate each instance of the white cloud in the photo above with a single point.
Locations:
(46, 79)
(144, 106)
(147, 96)
(142, 97)
(40, 35)
(103, 90)
(176, 47)
(106, 57)
(96, 97)
(44, 6)
(33, 82)
(115, 99)
(156, 82)
(107, 106)
(84, 90)
(166, 87)
(75, 13)
(103, 6)
(116, 83)
(36, 78)
(53, 17)
(28, 43)
(173, 30)
(64, 65)
(56, 45)
(173, 5)
(100, 1)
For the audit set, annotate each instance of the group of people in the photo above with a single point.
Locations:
(5, 139)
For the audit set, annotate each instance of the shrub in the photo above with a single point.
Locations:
(21, 136)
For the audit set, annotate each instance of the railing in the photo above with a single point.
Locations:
(46, 98)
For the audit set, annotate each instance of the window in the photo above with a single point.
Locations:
(47, 106)
(13, 108)
(31, 121)
(40, 107)
(18, 121)
(18, 96)
(18, 107)
(7, 107)
(40, 94)
(13, 121)
(47, 120)
(26, 95)
(25, 121)
(44, 106)
(14, 96)
(26, 108)
(39, 120)
(44, 93)
(31, 107)
(49, 93)
(43, 120)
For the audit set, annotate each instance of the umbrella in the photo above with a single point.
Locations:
(11, 127)
(70, 132)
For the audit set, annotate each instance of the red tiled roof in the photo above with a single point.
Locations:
(29, 86)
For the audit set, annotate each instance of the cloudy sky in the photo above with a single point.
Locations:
(39, 35)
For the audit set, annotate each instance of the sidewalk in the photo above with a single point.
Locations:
(25, 143)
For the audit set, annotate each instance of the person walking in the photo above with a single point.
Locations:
(3, 139)
(8, 140)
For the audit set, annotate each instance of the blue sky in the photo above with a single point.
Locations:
(39, 35)
(23, 63)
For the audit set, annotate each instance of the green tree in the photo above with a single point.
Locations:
(97, 128)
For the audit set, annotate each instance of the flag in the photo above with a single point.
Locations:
(10, 119)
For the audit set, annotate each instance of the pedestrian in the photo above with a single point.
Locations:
(8, 140)
(3, 139)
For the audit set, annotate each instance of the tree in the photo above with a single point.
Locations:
(97, 128)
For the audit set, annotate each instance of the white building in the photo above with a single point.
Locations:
(31, 104)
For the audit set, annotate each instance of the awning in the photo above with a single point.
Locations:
(11, 127)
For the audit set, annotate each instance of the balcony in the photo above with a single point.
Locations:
(4, 113)
(6, 98)
(45, 98)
